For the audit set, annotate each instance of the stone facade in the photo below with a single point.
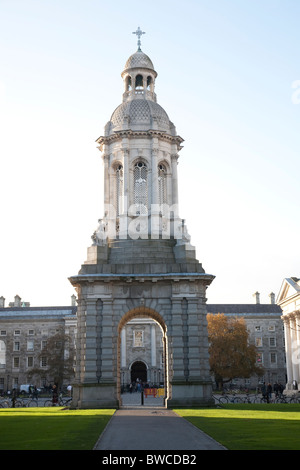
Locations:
(289, 301)
(23, 331)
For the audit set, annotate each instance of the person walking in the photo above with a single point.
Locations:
(269, 392)
(264, 392)
(54, 395)
(14, 398)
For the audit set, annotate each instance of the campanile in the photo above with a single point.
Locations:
(141, 263)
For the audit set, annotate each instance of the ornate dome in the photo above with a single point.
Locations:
(139, 60)
(141, 114)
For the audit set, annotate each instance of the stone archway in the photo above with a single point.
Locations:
(138, 371)
(138, 368)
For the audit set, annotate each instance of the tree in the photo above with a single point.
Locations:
(58, 354)
(231, 354)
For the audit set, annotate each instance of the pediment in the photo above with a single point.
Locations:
(289, 288)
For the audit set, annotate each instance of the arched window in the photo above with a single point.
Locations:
(140, 176)
(149, 83)
(162, 184)
(128, 83)
(139, 85)
(119, 190)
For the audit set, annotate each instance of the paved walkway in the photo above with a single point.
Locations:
(151, 427)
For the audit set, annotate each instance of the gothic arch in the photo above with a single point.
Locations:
(146, 312)
(166, 164)
(141, 159)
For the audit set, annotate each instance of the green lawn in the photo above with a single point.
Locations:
(51, 428)
(250, 427)
(237, 427)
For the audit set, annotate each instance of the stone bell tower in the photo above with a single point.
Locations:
(141, 262)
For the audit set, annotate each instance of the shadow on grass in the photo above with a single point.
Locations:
(50, 429)
(250, 427)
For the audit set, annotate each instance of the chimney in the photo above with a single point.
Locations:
(2, 302)
(256, 295)
(272, 298)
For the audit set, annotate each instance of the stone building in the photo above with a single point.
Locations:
(289, 301)
(23, 332)
(265, 327)
(141, 263)
(142, 353)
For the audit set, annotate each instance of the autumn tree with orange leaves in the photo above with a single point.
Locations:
(231, 355)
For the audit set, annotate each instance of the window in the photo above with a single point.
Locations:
(271, 328)
(258, 342)
(16, 346)
(16, 362)
(31, 332)
(259, 358)
(2, 354)
(257, 328)
(139, 82)
(3, 333)
(30, 361)
(17, 332)
(141, 188)
(162, 189)
(272, 341)
(128, 83)
(44, 362)
(273, 358)
(149, 83)
(30, 346)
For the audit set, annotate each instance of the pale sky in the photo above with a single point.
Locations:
(229, 79)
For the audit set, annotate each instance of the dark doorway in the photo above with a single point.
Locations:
(138, 371)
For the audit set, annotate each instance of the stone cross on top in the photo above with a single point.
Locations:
(139, 33)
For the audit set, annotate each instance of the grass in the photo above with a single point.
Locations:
(51, 428)
(237, 427)
(250, 427)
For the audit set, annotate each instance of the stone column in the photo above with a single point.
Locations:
(80, 341)
(297, 349)
(125, 176)
(108, 336)
(123, 347)
(154, 174)
(288, 350)
(91, 341)
(193, 340)
(153, 346)
(106, 179)
(295, 366)
(177, 341)
(174, 159)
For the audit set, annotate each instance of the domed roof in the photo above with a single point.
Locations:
(141, 113)
(139, 60)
